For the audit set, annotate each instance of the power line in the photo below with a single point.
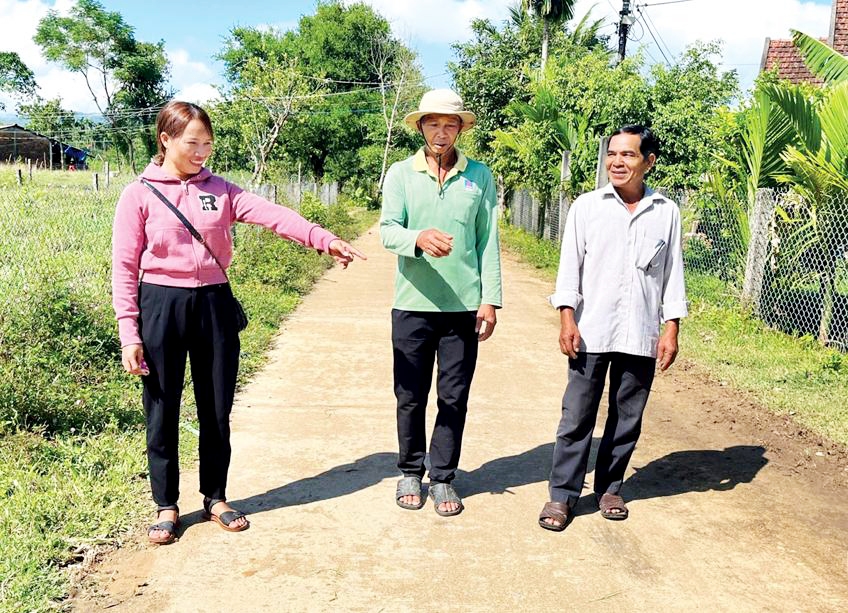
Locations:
(651, 32)
(668, 2)
(657, 30)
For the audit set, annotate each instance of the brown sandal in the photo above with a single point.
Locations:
(559, 512)
(612, 506)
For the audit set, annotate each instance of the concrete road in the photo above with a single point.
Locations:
(718, 521)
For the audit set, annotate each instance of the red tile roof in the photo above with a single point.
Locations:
(838, 38)
(783, 55)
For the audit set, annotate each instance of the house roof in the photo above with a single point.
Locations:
(69, 149)
(783, 55)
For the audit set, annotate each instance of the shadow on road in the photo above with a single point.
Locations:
(676, 473)
(696, 471)
(338, 481)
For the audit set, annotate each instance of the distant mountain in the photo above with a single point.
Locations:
(9, 118)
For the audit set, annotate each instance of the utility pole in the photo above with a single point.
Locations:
(624, 24)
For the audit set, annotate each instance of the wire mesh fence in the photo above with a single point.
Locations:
(782, 257)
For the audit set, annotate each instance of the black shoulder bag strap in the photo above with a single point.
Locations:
(192, 230)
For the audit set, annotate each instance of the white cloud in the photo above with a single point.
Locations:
(18, 24)
(199, 93)
(741, 25)
(437, 21)
(185, 70)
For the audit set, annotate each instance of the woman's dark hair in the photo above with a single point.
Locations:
(173, 119)
(648, 140)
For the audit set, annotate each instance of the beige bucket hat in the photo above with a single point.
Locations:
(442, 102)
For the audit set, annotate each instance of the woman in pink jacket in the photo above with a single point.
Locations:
(172, 300)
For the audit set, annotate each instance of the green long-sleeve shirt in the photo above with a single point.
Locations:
(466, 209)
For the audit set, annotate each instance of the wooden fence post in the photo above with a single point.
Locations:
(95, 182)
(19, 176)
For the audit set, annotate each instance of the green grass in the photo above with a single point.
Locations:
(58, 178)
(789, 375)
(72, 460)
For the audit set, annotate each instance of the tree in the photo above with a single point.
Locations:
(125, 77)
(551, 13)
(47, 117)
(15, 77)
(335, 49)
(685, 111)
(268, 91)
(396, 70)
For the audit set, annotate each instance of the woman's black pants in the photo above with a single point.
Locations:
(176, 322)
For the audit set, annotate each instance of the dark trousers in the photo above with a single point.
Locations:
(630, 383)
(198, 322)
(418, 338)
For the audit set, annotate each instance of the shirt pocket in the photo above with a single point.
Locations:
(461, 213)
(170, 242)
(219, 241)
(651, 253)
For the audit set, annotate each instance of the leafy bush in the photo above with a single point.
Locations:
(313, 209)
(57, 349)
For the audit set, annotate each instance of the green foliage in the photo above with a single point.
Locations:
(338, 49)
(490, 73)
(683, 112)
(313, 209)
(822, 60)
(269, 89)
(122, 73)
(15, 76)
(47, 117)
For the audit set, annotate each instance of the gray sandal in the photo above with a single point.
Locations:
(409, 486)
(444, 492)
(167, 526)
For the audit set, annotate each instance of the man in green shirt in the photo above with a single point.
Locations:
(440, 218)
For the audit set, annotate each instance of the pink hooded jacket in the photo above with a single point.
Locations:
(147, 237)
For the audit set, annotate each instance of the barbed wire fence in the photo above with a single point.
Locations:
(785, 260)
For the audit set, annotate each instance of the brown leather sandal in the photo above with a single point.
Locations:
(559, 512)
(612, 506)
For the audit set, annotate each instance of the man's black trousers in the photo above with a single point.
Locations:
(198, 322)
(630, 380)
(418, 339)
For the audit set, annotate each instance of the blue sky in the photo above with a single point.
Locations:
(194, 35)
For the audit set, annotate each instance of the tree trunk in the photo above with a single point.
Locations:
(540, 218)
(544, 43)
(828, 290)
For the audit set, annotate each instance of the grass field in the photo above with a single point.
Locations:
(72, 461)
(787, 374)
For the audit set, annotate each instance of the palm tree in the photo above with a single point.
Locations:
(817, 169)
(552, 13)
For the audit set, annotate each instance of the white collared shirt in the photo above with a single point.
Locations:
(622, 272)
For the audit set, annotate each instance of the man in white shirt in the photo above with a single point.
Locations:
(620, 275)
